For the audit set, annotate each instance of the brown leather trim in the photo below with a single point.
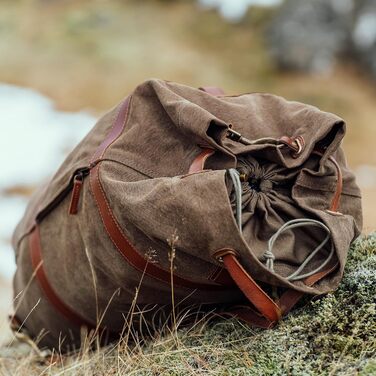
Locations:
(115, 131)
(199, 162)
(75, 196)
(127, 250)
(334, 205)
(254, 293)
(51, 295)
(212, 90)
(296, 144)
(291, 297)
(286, 303)
(337, 196)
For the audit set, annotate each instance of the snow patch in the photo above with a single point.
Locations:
(35, 139)
(234, 10)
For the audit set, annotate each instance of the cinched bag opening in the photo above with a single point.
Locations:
(288, 242)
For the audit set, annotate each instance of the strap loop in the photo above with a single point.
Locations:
(254, 293)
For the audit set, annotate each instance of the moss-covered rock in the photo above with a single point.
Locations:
(334, 335)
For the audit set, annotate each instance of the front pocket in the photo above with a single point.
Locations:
(136, 221)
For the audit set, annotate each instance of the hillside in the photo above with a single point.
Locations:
(335, 335)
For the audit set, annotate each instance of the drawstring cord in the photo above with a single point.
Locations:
(294, 223)
(235, 176)
(300, 222)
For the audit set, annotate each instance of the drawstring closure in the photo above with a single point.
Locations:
(300, 222)
(294, 223)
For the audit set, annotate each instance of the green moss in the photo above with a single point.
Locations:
(333, 335)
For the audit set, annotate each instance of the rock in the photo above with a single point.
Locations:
(364, 34)
(308, 34)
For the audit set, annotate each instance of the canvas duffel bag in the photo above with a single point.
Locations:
(183, 197)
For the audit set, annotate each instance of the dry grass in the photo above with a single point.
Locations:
(331, 336)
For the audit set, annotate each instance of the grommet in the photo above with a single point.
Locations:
(299, 144)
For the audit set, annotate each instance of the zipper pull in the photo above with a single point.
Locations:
(78, 181)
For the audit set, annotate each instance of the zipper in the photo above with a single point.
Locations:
(75, 188)
(78, 181)
(61, 196)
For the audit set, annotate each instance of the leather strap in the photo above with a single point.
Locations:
(51, 295)
(254, 293)
(116, 130)
(212, 90)
(286, 303)
(199, 162)
(334, 205)
(271, 312)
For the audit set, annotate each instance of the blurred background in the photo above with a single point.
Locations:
(65, 62)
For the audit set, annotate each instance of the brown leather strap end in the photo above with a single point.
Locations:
(254, 293)
(198, 163)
